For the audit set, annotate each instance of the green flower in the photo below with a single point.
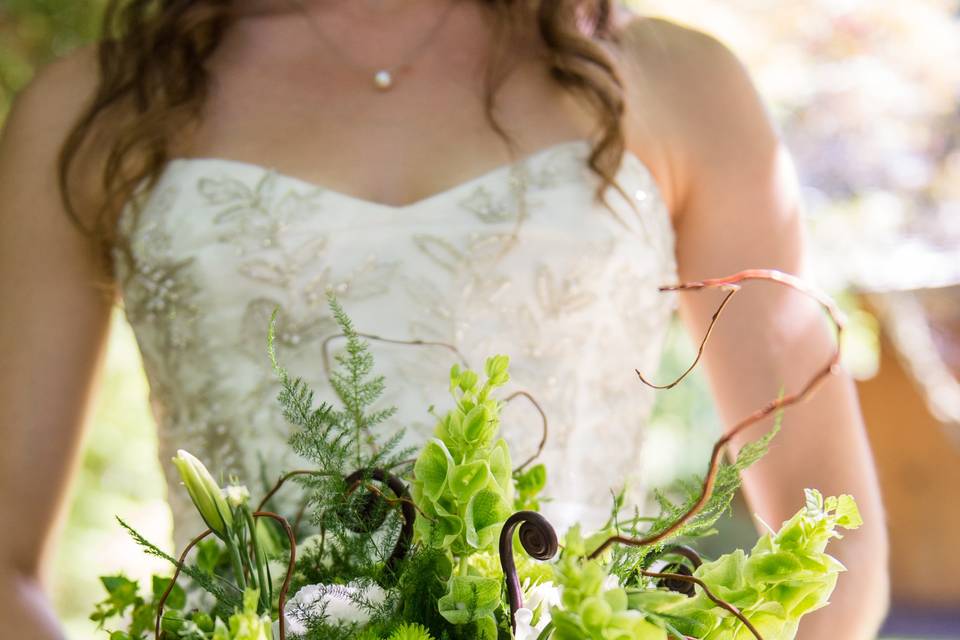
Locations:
(246, 624)
(205, 493)
(408, 631)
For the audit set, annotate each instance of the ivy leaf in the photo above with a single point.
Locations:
(176, 600)
(122, 590)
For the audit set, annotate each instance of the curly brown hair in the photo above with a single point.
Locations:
(153, 66)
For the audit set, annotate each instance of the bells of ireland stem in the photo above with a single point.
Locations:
(205, 493)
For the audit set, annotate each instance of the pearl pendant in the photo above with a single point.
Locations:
(383, 80)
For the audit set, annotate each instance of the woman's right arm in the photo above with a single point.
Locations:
(54, 318)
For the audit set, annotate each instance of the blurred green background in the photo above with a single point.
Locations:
(866, 94)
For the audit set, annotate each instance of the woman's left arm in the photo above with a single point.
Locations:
(734, 194)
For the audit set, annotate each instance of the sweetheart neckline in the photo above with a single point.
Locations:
(420, 202)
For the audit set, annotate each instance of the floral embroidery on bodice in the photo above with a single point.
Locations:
(522, 260)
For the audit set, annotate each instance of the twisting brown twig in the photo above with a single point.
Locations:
(543, 418)
(283, 479)
(717, 601)
(282, 600)
(703, 343)
(407, 508)
(393, 502)
(375, 338)
(176, 574)
(832, 364)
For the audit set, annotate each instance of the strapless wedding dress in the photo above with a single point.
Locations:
(520, 261)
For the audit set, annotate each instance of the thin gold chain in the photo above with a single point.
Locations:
(408, 60)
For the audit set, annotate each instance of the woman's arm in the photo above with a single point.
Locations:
(54, 315)
(735, 199)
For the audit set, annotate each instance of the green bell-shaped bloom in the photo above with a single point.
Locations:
(206, 494)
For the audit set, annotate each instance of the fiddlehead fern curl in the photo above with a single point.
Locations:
(537, 537)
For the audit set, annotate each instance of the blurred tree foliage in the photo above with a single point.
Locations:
(32, 32)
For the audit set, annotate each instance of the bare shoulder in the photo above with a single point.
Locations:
(43, 115)
(54, 99)
(688, 97)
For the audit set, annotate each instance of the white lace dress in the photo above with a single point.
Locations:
(521, 261)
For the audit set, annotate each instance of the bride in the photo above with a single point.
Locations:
(501, 176)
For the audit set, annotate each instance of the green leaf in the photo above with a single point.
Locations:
(532, 481)
(848, 514)
(143, 619)
(467, 381)
(122, 589)
(814, 503)
(485, 628)
(478, 427)
(469, 598)
(501, 466)
(433, 468)
(177, 598)
(486, 513)
(778, 566)
(468, 479)
(496, 370)
(208, 555)
(441, 528)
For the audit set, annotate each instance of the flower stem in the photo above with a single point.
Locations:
(266, 592)
(235, 561)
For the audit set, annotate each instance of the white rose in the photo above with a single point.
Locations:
(333, 604)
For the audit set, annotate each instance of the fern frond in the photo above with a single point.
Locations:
(219, 590)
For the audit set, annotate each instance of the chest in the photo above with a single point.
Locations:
(282, 99)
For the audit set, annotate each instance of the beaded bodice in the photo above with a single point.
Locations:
(521, 260)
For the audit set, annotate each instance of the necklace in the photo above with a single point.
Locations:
(384, 77)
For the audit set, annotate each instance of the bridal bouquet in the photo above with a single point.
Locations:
(391, 544)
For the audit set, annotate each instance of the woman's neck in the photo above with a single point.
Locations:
(366, 10)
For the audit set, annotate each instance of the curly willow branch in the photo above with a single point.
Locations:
(717, 601)
(291, 564)
(368, 336)
(407, 507)
(283, 480)
(732, 282)
(543, 418)
(176, 574)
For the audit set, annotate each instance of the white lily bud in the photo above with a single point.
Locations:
(205, 493)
